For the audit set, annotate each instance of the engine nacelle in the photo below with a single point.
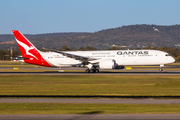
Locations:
(107, 64)
(119, 67)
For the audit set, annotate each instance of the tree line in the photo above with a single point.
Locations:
(6, 54)
(174, 52)
(132, 36)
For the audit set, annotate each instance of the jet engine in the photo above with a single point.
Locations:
(109, 64)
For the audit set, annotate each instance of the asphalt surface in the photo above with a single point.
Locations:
(64, 71)
(96, 101)
(93, 116)
(125, 72)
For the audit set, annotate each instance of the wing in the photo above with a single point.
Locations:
(83, 59)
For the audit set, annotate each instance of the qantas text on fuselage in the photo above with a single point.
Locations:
(132, 53)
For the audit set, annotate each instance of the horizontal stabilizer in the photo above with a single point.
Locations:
(21, 58)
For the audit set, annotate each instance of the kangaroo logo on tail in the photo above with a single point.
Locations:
(28, 50)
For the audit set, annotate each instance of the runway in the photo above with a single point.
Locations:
(125, 72)
(151, 70)
(94, 101)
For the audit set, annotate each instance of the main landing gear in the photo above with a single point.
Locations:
(92, 70)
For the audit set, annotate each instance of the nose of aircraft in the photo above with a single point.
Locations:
(172, 60)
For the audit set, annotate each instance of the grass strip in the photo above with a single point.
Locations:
(59, 108)
(90, 85)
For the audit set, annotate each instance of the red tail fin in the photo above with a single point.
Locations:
(28, 50)
(26, 47)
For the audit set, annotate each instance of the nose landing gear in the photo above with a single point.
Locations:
(161, 68)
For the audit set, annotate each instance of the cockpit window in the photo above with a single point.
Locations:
(167, 55)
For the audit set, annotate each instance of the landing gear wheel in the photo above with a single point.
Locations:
(97, 71)
(87, 71)
(160, 69)
(92, 71)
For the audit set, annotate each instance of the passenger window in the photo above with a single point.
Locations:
(167, 55)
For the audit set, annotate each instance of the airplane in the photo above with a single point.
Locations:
(92, 60)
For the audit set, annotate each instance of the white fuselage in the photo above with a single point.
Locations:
(121, 57)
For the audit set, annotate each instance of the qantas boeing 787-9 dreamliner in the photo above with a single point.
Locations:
(92, 60)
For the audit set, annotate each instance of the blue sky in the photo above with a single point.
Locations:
(49, 16)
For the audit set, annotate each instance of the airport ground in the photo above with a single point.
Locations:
(144, 82)
(17, 68)
(93, 117)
